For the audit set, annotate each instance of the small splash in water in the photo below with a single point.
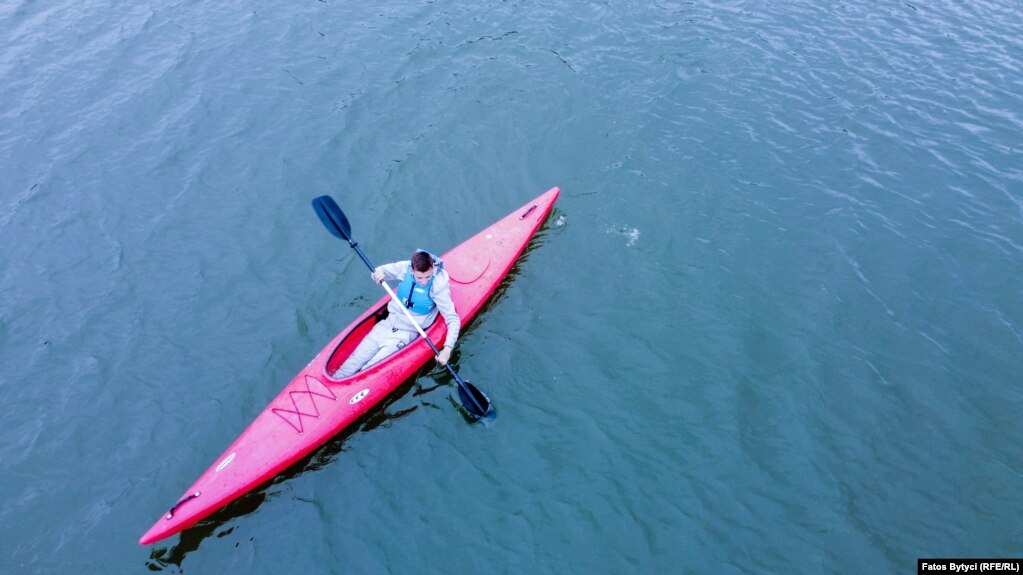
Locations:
(631, 233)
(633, 237)
(560, 222)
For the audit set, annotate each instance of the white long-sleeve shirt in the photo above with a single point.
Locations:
(440, 292)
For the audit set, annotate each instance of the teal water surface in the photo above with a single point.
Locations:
(774, 324)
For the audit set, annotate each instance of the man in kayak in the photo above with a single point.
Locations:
(425, 289)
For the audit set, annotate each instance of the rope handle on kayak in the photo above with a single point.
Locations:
(527, 212)
(182, 501)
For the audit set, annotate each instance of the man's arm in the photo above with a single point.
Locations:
(391, 272)
(441, 294)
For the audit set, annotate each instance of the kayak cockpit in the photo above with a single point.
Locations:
(353, 338)
(348, 344)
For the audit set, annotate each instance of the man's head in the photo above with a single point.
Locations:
(422, 267)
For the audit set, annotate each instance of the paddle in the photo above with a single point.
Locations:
(474, 401)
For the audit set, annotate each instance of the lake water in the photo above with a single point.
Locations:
(774, 324)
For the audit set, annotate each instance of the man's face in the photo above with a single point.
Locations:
(423, 278)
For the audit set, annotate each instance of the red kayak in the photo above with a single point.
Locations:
(314, 407)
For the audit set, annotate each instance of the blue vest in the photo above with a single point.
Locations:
(416, 297)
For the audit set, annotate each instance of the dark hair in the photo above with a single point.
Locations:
(421, 261)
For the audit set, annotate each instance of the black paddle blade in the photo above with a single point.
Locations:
(477, 404)
(333, 218)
